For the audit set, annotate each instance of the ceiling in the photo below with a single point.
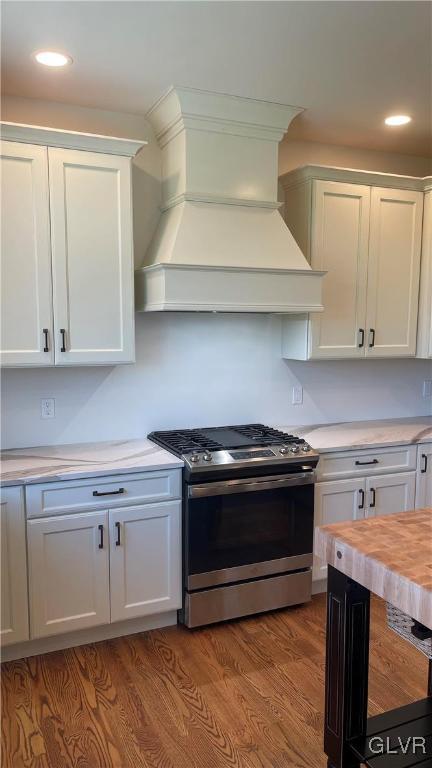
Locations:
(348, 63)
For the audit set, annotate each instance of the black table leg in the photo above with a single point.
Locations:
(347, 663)
(429, 691)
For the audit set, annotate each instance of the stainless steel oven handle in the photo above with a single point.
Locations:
(241, 486)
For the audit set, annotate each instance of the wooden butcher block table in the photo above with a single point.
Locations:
(391, 556)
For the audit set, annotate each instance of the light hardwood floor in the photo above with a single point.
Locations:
(243, 694)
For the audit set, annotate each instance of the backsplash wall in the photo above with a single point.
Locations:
(199, 369)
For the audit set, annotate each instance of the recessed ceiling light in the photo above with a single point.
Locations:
(52, 58)
(397, 120)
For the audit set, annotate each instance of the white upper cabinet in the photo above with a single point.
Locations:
(26, 305)
(339, 245)
(424, 339)
(368, 239)
(67, 248)
(393, 272)
(91, 230)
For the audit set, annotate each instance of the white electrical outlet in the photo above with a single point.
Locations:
(297, 395)
(427, 388)
(47, 408)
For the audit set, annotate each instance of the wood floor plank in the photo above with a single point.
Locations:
(244, 694)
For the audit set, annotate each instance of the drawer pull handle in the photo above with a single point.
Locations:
(108, 493)
(45, 332)
(362, 498)
(362, 337)
(118, 542)
(425, 463)
(100, 536)
(373, 492)
(365, 463)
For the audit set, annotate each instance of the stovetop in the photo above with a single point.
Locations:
(234, 447)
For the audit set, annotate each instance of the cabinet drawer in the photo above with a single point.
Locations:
(102, 493)
(346, 464)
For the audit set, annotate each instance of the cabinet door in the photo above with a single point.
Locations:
(424, 477)
(424, 338)
(386, 494)
(335, 502)
(340, 231)
(26, 304)
(68, 573)
(145, 559)
(91, 230)
(14, 600)
(393, 272)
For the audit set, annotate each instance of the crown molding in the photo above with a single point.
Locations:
(352, 176)
(57, 137)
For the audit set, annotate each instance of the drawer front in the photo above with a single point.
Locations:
(102, 493)
(246, 599)
(334, 466)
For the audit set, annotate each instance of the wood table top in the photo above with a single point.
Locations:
(391, 555)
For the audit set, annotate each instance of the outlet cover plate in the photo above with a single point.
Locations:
(47, 405)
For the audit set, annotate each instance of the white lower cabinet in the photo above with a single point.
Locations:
(100, 566)
(69, 573)
(14, 601)
(359, 497)
(386, 494)
(424, 476)
(145, 559)
(335, 502)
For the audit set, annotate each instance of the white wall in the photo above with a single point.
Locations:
(196, 370)
(293, 153)
(192, 369)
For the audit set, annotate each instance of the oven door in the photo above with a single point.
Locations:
(238, 530)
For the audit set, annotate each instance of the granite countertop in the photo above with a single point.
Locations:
(391, 555)
(69, 462)
(353, 435)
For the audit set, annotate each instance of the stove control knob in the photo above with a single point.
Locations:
(283, 450)
(207, 456)
(306, 447)
(194, 457)
(295, 448)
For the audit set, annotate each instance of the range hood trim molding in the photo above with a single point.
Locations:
(238, 201)
(166, 287)
(180, 107)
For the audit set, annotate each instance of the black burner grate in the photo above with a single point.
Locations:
(182, 441)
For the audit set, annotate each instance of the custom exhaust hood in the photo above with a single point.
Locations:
(221, 243)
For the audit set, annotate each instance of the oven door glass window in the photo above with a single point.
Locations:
(242, 528)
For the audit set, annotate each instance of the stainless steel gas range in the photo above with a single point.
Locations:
(248, 505)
